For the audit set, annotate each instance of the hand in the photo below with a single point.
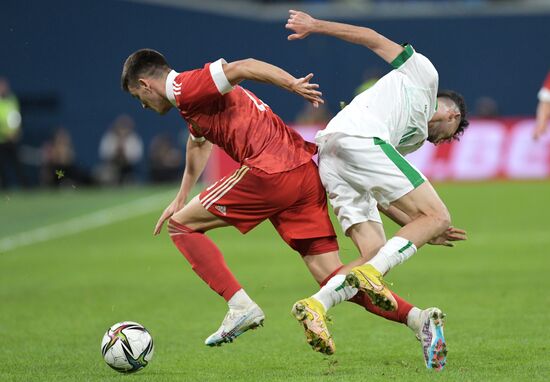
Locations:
(301, 23)
(446, 238)
(176, 205)
(309, 91)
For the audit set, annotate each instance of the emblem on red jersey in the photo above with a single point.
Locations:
(222, 209)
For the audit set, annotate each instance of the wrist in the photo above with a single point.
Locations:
(290, 84)
(317, 26)
(182, 194)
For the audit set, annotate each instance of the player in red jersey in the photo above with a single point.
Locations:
(277, 179)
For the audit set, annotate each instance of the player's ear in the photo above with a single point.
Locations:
(453, 115)
(144, 83)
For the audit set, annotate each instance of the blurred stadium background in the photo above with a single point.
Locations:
(94, 171)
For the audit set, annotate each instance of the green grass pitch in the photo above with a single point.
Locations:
(58, 296)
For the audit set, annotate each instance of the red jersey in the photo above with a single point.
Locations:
(547, 82)
(234, 119)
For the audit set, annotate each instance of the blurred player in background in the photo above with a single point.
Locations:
(543, 109)
(362, 168)
(10, 133)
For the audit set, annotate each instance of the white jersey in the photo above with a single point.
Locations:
(397, 108)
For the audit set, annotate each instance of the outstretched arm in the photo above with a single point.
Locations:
(251, 69)
(303, 25)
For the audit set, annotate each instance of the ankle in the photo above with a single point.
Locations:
(240, 300)
(413, 319)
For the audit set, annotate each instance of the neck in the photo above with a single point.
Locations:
(159, 85)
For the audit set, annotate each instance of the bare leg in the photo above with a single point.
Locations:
(430, 216)
(368, 237)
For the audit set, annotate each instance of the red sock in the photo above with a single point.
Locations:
(325, 281)
(205, 258)
(400, 315)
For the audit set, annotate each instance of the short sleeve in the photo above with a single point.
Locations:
(219, 78)
(196, 87)
(195, 133)
(416, 67)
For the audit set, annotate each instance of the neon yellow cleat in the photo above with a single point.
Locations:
(367, 279)
(311, 314)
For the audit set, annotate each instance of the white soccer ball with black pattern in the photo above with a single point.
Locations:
(127, 347)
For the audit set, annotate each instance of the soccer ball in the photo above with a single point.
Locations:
(127, 347)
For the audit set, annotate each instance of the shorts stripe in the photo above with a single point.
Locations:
(223, 188)
(211, 190)
(409, 171)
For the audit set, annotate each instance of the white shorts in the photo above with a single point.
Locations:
(359, 172)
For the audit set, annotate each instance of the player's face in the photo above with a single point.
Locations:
(444, 130)
(443, 133)
(149, 99)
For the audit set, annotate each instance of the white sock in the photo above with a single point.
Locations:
(413, 319)
(239, 300)
(334, 292)
(394, 252)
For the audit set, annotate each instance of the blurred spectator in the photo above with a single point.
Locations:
(486, 107)
(120, 150)
(10, 132)
(165, 160)
(58, 162)
(310, 115)
(543, 109)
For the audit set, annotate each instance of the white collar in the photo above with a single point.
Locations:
(170, 83)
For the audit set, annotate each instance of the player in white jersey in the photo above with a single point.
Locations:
(362, 168)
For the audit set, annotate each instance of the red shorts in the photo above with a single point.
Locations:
(294, 201)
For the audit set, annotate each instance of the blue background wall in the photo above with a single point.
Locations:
(74, 50)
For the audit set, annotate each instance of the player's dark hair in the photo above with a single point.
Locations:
(142, 63)
(458, 99)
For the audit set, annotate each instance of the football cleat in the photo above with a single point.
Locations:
(311, 314)
(367, 279)
(430, 334)
(235, 323)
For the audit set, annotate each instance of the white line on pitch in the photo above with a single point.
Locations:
(85, 222)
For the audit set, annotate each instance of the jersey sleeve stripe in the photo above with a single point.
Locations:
(403, 56)
(218, 75)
